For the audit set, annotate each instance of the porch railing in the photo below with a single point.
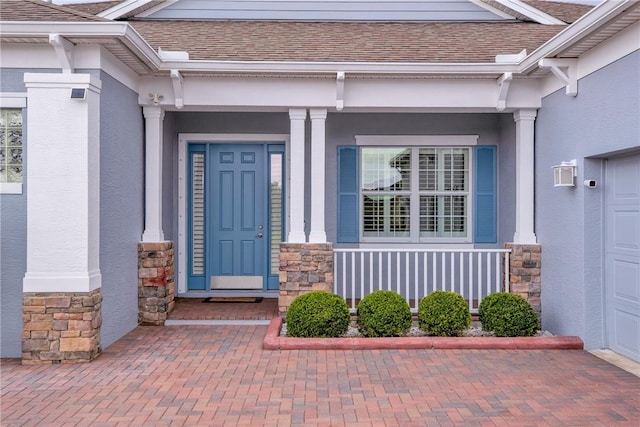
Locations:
(415, 273)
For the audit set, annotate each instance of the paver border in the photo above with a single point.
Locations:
(273, 341)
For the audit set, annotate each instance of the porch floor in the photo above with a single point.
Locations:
(196, 309)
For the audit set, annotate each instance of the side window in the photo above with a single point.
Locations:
(11, 144)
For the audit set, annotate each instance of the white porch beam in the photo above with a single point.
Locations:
(63, 176)
(524, 176)
(64, 52)
(297, 117)
(317, 233)
(154, 117)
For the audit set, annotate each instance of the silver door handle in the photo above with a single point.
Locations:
(260, 235)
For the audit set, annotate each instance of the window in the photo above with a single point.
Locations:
(11, 142)
(415, 193)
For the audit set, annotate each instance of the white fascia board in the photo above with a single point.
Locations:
(584, 26)
(121, 9)
(333, 67)
(121, 30)
(154, 9)
(531, 12)
(492, 9)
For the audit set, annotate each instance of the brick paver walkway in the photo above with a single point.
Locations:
(195, 309)
(219, 375)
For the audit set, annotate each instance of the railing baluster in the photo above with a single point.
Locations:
(507, 272)
(472, 281)
(361, 275)
(415, 279)
(398, 272)
(462, 282)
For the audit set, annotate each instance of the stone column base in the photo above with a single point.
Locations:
(61, 327)
(304, 267)
(524, 265)
(156, 287)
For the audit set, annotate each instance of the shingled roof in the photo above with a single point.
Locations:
(344, 41)
(225, 40)
(37, 10)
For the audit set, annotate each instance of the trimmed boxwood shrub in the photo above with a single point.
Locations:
(318, 314)
(508, 315)
(383, 314)
(444, 313)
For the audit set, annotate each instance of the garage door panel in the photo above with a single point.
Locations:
(622, 255)
(626, 274)
(626, 230)
(627, 331)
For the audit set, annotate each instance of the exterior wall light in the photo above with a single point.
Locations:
(564, 174)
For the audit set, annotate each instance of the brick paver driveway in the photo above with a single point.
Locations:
(219, 375)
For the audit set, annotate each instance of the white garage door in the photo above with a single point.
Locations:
(622, 255)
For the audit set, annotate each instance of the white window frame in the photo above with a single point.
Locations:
(417, 142)
(14, 100)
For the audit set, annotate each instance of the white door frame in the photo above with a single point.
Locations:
(213, 138)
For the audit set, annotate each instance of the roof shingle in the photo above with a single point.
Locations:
(345, 41)
(38, 10)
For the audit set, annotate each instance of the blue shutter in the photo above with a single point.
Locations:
(485, 195)
(348, 194)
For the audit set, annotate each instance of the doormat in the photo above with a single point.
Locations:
(233, 299)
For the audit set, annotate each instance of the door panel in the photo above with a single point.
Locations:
(622, 255)
(240, 217)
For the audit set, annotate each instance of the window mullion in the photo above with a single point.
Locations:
(415, 195)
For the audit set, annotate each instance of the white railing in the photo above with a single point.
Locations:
(415, 273)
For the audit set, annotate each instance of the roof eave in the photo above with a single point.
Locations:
(588, 24)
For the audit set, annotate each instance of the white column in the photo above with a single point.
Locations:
(63, 179)
(153, 175)
(524, 176)
(297, 117)
(318, 117)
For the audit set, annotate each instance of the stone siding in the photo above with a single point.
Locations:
(61, 327)
(524, 266)
(304, 267)
(156, 285)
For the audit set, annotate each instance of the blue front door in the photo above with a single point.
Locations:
(230, 227)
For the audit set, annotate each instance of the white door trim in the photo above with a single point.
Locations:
(212, 138)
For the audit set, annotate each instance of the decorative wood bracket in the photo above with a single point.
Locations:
(340, 90)
(503, 82)
(178, 90)
(564, 69)
(64, 51)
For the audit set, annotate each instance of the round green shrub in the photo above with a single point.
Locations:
(444, 314)
(318, 314)
(508, 315)
(383, 314)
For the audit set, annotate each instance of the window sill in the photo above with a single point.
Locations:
(10, 188)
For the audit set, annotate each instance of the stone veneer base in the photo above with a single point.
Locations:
(525, 265)
(61, 327)
(273, 341)
(304, 267)
(156, 286)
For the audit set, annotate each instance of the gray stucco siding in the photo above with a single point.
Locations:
(13, 241)
(121, 206)
(601, 119)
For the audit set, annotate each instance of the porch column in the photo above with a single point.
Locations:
(62, 285)
(153, 175)
(318, 117)
(297, 117)
(524, 176)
